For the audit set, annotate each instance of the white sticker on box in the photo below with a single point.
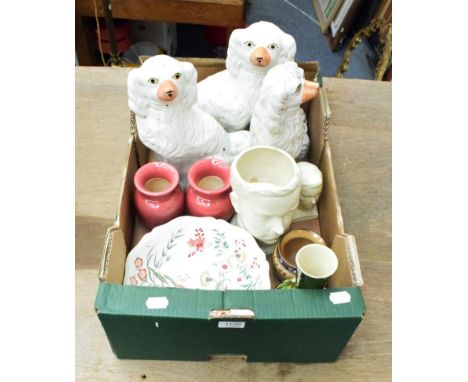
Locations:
(157, 302)
(231, 324)
(340, 297)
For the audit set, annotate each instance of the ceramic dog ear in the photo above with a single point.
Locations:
(190, 89)
(136, 100)
(289, 48)
(233, 63)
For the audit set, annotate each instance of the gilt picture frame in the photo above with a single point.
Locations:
(326, 11)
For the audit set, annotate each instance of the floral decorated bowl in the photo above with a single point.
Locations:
(198, 253)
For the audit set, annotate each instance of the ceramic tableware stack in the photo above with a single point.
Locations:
(203, 150)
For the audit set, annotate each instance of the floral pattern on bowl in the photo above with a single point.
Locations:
(198, 253)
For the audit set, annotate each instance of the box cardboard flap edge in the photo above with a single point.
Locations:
(212, 305)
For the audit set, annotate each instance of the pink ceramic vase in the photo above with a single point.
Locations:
(158, 197)
(209, 188)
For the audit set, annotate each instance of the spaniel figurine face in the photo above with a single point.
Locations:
(162, 82)
(286, 84)
(259, 47)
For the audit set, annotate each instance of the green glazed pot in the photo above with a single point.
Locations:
(315, 263)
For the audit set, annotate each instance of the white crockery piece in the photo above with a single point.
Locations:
(266, 186)
(311, 184)
(311, 188)
(278, 119)
(198, 253)
(230, 95)
(163, 94)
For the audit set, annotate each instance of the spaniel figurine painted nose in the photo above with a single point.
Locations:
(260, 57)
(163, 94)
(278, 120)
(167, 91)
(230, 95)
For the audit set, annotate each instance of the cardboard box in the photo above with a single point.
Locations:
(267, 326)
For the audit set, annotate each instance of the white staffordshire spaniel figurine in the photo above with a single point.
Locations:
(278, 119)
(163, 94)
(230, 95)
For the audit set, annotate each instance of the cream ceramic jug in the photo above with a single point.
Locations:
(266, 188)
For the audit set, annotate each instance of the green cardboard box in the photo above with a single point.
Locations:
(267, 326)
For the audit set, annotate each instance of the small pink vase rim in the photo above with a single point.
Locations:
(210, 165)
(156, 170)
